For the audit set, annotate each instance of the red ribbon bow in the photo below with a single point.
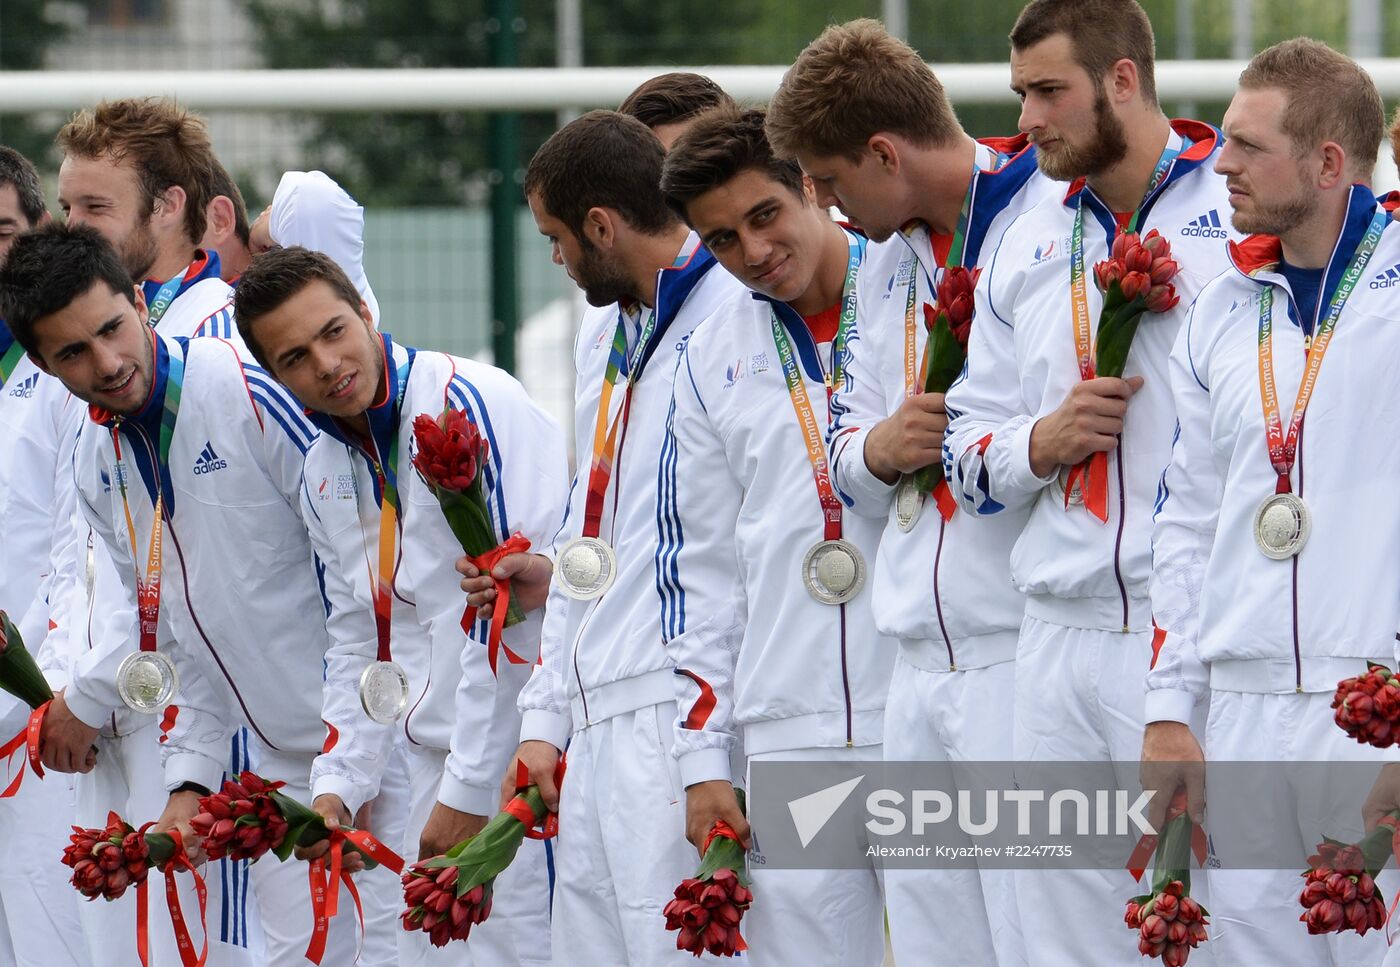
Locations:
(27, 738)
(1142, 852)
(517, 543)
(1092, 478)
(325, 880)
(178, 859)
(546, 827)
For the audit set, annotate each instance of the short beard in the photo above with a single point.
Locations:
(602, 282)
(1109, 147)
(138, 250)
(1277, 217)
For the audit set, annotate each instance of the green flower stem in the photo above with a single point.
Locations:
(483, 857)
(19, 673)
(470, 522)
(946, 358)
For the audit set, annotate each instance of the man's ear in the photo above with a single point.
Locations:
(169, 205)
(600, 227)
(219, 221)
(142, 312)
(886, 153)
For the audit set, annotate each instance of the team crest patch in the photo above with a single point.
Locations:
(734, 372)
(758, 363)
(344, 486)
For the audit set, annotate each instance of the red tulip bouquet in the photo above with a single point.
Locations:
(1135, 279)
(1368, 706)
(949, 325)
(709, 906)
(105, 862)
(1339, 888)
(1170, 924)
(450, 458)
(447, 895)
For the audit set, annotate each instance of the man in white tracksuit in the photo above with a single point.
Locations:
(218, 446)
(1024, 413)
(603, 687)
(113, 156)
(38, 909)
(1306, 301)
(302, 316)
(939, 578)
(804, 678)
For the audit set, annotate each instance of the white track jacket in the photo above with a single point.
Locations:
(604, 657)
(241, 612)
(941, 588)
(1233, 618)
(1077, 571)
(455, 702)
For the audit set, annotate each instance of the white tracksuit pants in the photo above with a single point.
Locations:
(284, 892)
(1254, 913)
(968, 917)
(1079, 697)
(805, 917)
(387, 820)
(517, 932)
(128, 779)
(38, 907)
(621, 847)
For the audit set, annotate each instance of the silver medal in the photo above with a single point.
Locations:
(384, 691)
(147, 681)
(908, 504)
(1074, 496)
(587, 568)
(1281, 526)
(833, 571)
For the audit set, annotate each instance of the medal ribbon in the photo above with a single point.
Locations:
(1091, 476)
(811, 431)
(1283, 450)
(848, 313)
(913, 384)
(148, 589)
(13, 354)
(620, 366)
(386, 470)
(170, 288)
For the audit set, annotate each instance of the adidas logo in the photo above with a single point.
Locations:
(1390, 277)
(1205, 226)
(209, 461)
(26, 389)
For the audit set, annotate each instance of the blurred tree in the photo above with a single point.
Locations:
(26, 34)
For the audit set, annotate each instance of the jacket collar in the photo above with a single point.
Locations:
(803, 342)
(204, 266)
(1203, 140)
(674, 283)
(992, 190)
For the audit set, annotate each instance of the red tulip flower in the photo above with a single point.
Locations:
(1368, 707)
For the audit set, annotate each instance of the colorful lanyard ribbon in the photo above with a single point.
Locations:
(13, 354)
(386, 470)
(1078, 284)
(620, 366)
(148, 590)
(848, 312)
(913, 384)
(1284, 450)
(811, 430)
(169, 289)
